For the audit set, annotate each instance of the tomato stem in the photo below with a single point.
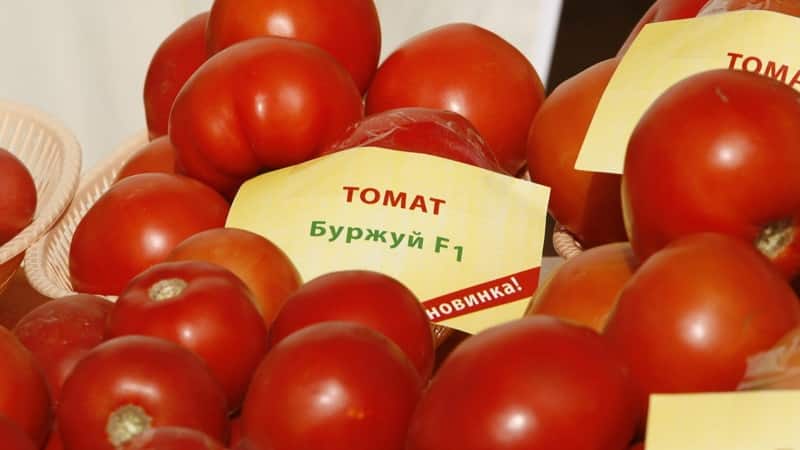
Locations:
(774, 237)
(125, 423)
(167, 289)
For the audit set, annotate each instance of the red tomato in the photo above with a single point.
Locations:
(370, 298)
(584, 288)
(527, 385)
(264, 268)
(24, 397)
(422, 130)
(347, 29)
(711, 141)
(136, 224)
(586, 203)
(129, 384)
(333, 385)
(694, 312)
(17, 196)
(61, 331)
(172, 438)
(156, 156)
(175, 60)
(468, 70)
(12, 436)
(261, 104)
(203, 307)
(639, 446)
(54, 440)
(663, 10)
(236, 431)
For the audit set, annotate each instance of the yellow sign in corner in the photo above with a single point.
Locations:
(664, 53)
(468, 242)
(756, 420)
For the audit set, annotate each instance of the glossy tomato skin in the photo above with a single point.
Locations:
(584, 289)
(664, 10)
(175, 60)
(135, 224)
(157, 155)
(694, 312)
(172, 438)
(152, 380)
(202, 307)
(347, 29)
(12, 436)
(257, 261)
(370, 298)
(468, 70)
(526, 385)
(586, 203)
(421, 130)
(698, 159)
(258, 105)
(24, 396)
(18, 196)
(61, 331)
(332, 385)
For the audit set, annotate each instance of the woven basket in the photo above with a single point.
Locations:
(565, 243)
(47, 262)
(52, 155)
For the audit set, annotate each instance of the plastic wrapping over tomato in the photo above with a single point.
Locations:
(791, 7)
(776, 368)
(261, 104)
(421, 130)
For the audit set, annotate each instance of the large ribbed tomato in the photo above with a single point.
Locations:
(260, 104)
(17, 196)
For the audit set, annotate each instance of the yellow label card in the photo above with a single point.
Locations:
(755, 420)
(664, 53)
(467, 241)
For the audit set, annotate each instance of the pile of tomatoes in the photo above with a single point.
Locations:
(214, 341)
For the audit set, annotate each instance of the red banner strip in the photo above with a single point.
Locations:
(503, 290)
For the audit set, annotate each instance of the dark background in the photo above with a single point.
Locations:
(589, 32)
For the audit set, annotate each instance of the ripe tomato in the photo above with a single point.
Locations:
(422, 130)
(694, 312)
(639, 446)
(12, 436)
(60, 332)
(261, 104)
(584, 288)
(54, 440)
(264, 268)
(175, 60)
(347, 29)
(526, 385)
(156, 156)
(129, 384)
(586, 203)
(17, 196)
(24, 397)
(135, 224)
(468, 70)
(663, 10)
(172, 438)
(332, 385)
(370, 298)
(711, 141)
(203, 307)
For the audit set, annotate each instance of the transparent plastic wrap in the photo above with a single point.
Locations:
(718, 6)
(776, 368)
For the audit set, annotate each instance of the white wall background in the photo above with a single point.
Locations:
(84, 62)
